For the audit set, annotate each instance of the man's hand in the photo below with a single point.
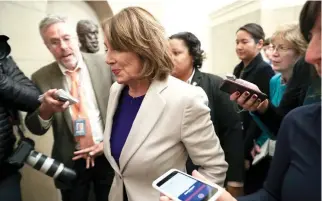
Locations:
(89, 154)
(51, 105)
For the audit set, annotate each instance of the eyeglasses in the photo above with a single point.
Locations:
(279, 48)
(58, 42)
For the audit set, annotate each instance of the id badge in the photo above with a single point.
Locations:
(79, 127)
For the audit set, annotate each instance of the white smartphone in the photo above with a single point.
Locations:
(180, 186)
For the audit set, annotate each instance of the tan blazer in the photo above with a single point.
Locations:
(50, 77)
(172, 121)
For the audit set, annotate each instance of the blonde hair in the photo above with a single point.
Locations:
(135, 30)
(292, 34)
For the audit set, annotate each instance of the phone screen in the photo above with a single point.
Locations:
(186, 188)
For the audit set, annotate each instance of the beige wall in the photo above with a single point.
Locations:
(19, 20)
(223, 42)
(225, 22)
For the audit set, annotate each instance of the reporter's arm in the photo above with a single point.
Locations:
(36, 124)
(293, 97)
(16, 89)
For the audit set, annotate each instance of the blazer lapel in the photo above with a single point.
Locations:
(100, 85)
(58, 82)
(112, 106)
(196, 78)
(153, 105)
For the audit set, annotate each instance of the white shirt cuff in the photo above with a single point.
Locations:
(45, 123)
(235, 184)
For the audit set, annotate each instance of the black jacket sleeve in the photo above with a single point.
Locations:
(16, 90)
(293, 97)
(227, 124)
(262, 79)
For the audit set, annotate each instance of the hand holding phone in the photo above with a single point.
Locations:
(232, 85)
(245, 94)
(180, 186)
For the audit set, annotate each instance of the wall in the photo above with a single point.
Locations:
(225, 22)
(180, 15)
(19, 20)
(223, 37)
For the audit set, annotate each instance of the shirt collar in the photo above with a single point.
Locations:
(191, 76)
(240, 67)
(80, 64)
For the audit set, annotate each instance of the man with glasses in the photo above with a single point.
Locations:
(75, 126)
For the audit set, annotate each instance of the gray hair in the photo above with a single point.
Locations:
(50, 20)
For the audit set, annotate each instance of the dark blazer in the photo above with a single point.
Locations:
(50, 77)
(258, 72)
(226, 122)
(295, 171)
(303, 76)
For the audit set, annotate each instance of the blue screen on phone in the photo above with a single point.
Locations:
(186, 188)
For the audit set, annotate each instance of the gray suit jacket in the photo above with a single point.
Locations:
(50, 77)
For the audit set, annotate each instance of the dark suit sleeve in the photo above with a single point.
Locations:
(273, 185)
(228, 128)
(262, 80)
(33, 124)
(293, 97)
(16, 90)
(263, 77)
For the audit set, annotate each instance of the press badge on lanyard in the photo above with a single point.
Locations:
(80, 127)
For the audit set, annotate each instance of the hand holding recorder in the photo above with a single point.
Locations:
(54, 101)
(246, 94)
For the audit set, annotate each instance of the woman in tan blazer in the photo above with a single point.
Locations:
(153, 120)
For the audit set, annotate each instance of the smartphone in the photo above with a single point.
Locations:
(180, 186)
(230, 86)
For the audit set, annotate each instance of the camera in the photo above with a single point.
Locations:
(25, 153)
(4, 47)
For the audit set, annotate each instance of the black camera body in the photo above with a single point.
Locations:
(25, 153)
(5, 48)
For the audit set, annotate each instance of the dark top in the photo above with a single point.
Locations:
(17, 93)
(295, 93)
(258, 72)
(123, 119)
(295, 172)
(226, 122)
